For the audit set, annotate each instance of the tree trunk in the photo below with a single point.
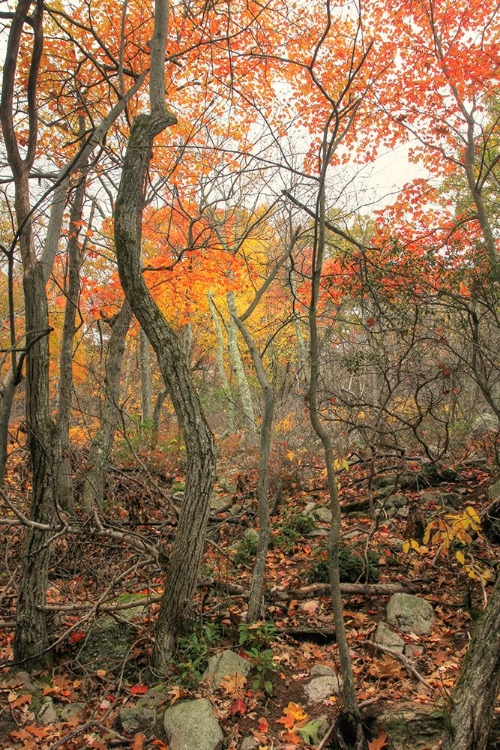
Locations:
(187, 551)
(100, 450)
(146, 398)
(31, 637)
(255, 601)
(219, 358)
(349, 733)
(75, 253)
(475, 696)
(238, 368)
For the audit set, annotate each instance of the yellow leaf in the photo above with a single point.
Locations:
(460, 557)
(471, 512)
(406, 547)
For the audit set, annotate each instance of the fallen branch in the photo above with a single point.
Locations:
(323, 589)
(404, 660)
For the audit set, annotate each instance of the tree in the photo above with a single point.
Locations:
(189, 541)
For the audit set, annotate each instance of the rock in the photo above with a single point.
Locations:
(224, 664)
(399, 501)
(321, 688)
(72, 709)
(323, 514)
(47, 713)
(24, 681)
(137, 719)
(249, 743)
(384, 484)
(192, 724)
(385, 637)
(451, 500)
(494, 491)
(216, 502)
(409, 726)
(412, 651)
(108, 643)
(411, 614)
(323, 670)
(430, 498)
(227, 485)
(155, 697)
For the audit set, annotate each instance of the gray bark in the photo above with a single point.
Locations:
(476, 694)
(146, 398)
(239, 369)
(219, 358)
(255, 601)
(102, 443)
(187, 551)
(75, 254)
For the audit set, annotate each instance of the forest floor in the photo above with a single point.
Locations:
(453, 571)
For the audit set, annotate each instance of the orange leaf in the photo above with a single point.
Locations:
(290, 736)
(138, 742)
(378, 742)
(18, 702)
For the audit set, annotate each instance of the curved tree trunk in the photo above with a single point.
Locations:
(100, 450)
(189, 542)
(476, 694)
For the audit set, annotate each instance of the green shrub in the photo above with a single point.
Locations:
(193, 651)
(246, 549)
(291, 528)
(351, 563)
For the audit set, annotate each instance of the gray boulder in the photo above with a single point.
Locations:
(494, 491)
(192, 724)
(225, 664)
(411, 614)
(323, 514)
(47, 713)
(385, 637)
(72, 709)
(137, 719)
(321, 688)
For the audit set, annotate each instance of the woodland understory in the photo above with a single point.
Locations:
(92, 578)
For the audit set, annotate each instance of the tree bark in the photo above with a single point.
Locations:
(146, 398)
(75, 254)
(102, 443)
(219, 357)
(238, 369)
(187, 551)
(476, 694)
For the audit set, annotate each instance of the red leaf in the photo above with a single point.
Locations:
(139, 689)
(238, 706)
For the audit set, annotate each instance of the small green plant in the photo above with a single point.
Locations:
(246, 549)
(193, 651)
(291, 528)
(352, 566)
(263, 665)
(257, 634)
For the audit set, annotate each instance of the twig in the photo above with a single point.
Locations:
(93, 724)
(327, 737)
(404, 660)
